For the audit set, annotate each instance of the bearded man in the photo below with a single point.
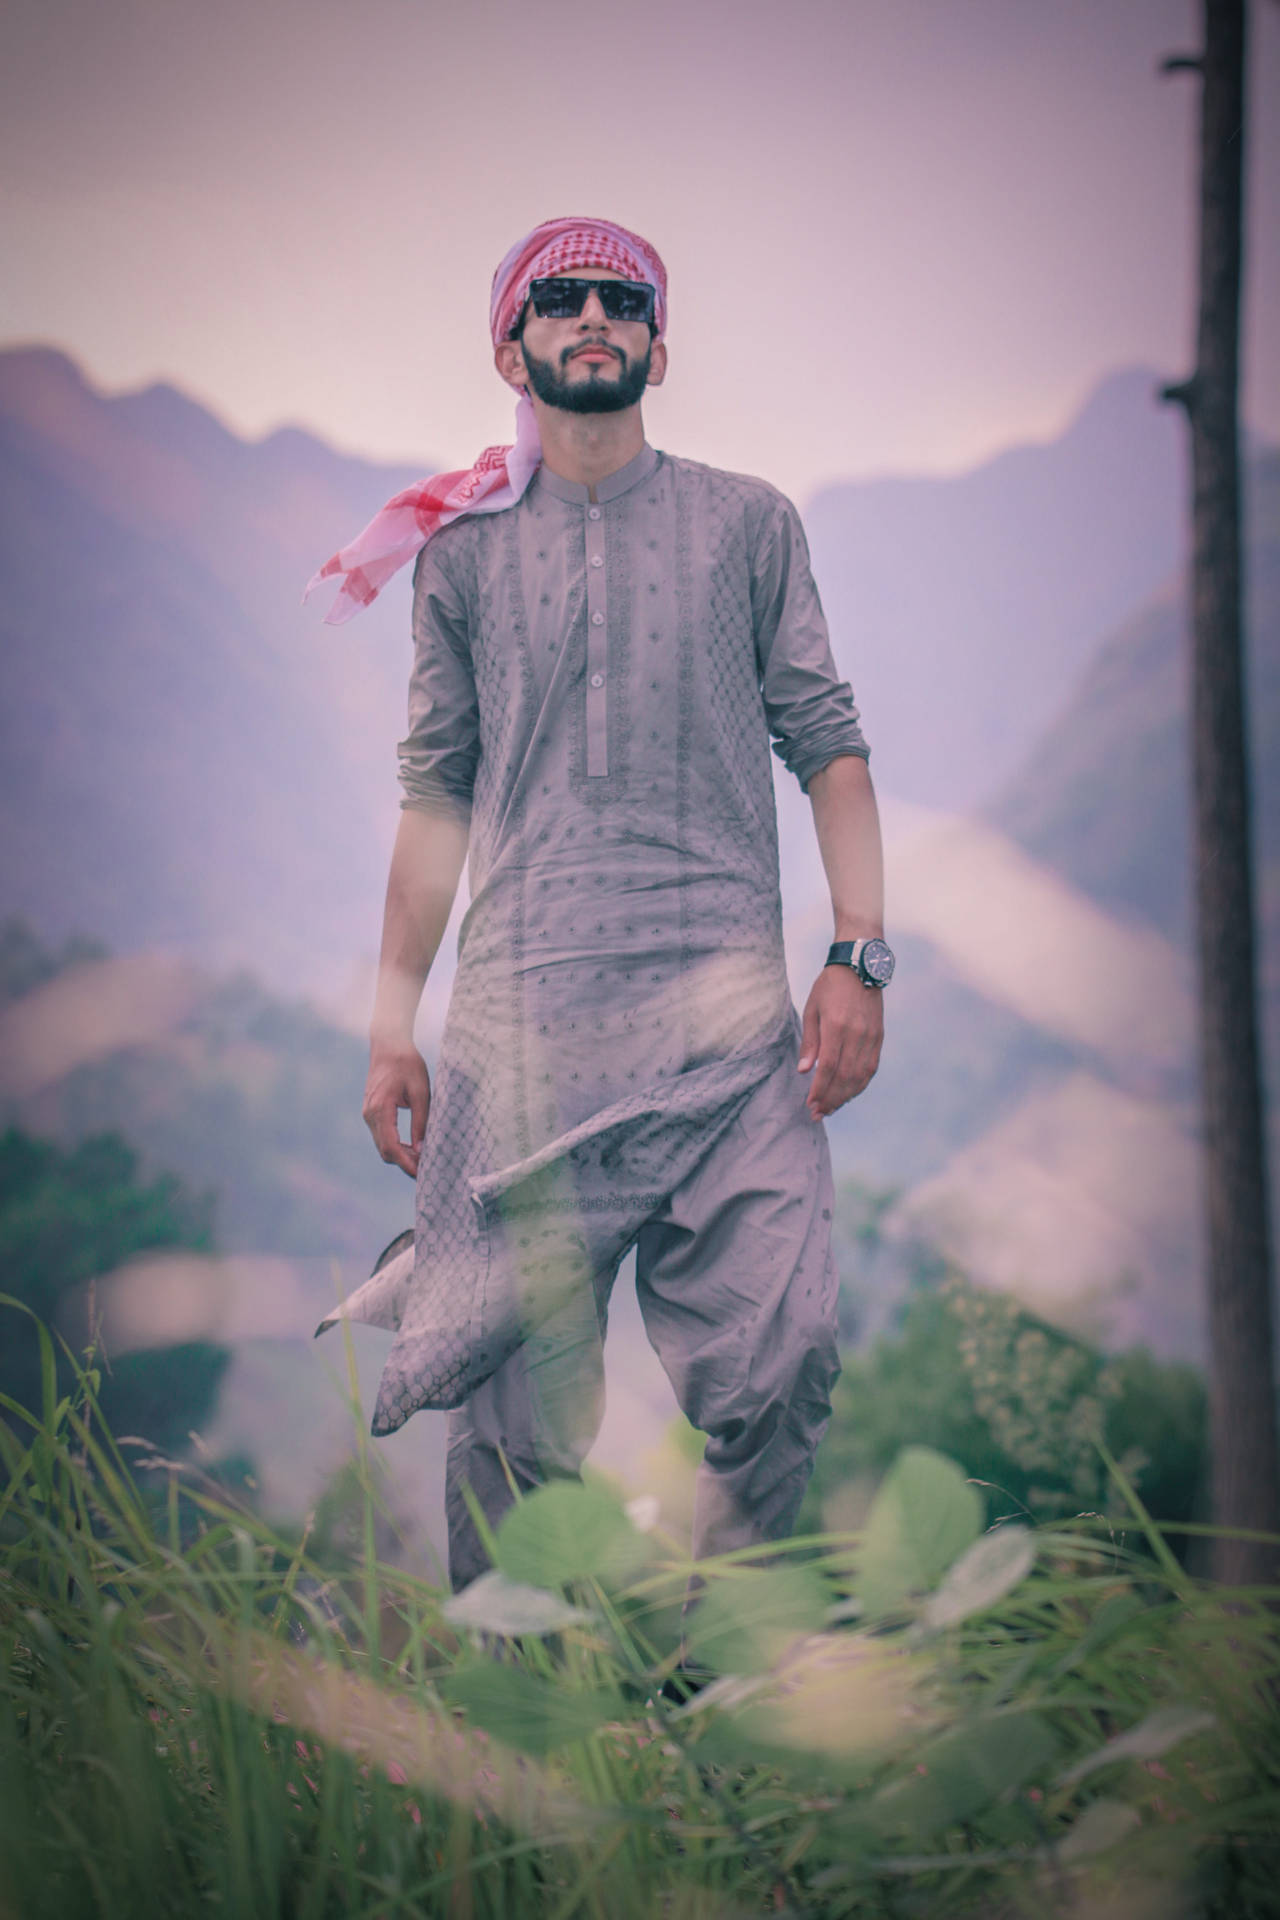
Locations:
(606, 639)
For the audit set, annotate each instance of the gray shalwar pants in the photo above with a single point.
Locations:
(737, 1288)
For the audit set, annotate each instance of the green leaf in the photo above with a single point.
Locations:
(993, 1566)
(1103, 1824)
(837, 1700)
(924, 1515)
(522, 1711)
(1151, 1737)
(745, 1621)
(1116, 1613)
(494, 1604)
(566, 1531)
(964, 1773)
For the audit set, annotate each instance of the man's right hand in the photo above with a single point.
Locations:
(397, 1079)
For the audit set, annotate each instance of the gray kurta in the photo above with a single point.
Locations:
(595, 686)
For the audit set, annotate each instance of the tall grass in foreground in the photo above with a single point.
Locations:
(923, 1719)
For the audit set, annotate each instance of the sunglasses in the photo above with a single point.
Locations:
(621, 299)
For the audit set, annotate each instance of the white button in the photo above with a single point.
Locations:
(597, 619)
(597, 679)
(593, 513)
(596, 561)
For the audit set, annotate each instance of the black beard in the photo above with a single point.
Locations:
(593, 395)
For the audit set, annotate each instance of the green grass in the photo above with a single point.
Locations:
(925, 1718)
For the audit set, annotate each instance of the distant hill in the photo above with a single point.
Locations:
(964, 609)
(1038, 1098)
(1104, 798)
(246, 1096)
(187, 757)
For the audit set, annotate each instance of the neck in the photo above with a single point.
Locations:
(587, 447)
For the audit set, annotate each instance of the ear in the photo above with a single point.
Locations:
(657, 364)
(508, 358)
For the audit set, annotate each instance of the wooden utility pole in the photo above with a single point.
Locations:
(1246, 1454)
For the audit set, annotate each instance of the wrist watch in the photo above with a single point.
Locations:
(871, 960)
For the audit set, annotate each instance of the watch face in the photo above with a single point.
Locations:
(877, 962)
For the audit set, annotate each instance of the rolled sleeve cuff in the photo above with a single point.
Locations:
(436, 793)
(805, 758)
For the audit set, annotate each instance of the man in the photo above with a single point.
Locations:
(605, 638)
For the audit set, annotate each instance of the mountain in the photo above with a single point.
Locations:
(187, 757)
(1104, 799)
(963, 609)
(1043, 1124)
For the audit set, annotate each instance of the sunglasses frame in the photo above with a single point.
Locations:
(585, 287)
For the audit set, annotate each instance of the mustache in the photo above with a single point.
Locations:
(589, 346)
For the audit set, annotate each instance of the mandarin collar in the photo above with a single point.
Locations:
(607, 489)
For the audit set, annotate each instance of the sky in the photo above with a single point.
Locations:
(900, 234)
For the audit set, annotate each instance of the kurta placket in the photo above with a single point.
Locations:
(597, 695)
(595, 685)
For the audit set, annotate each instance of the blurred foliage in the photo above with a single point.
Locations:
(357, 1494)
(69, 1216)
(1019, 1403)
(252, 1095)
(858, 1249)
(923, 1718)
(26, 963)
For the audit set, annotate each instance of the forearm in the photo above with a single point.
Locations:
(426, 865)
(847, 824)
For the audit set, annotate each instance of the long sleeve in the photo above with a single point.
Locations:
(440, 753)
(809, 709)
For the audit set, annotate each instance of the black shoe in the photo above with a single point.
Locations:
(687, 1681)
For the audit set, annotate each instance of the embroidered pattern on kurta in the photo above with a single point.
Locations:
(621, 986)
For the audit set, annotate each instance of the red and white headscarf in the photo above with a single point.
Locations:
(499, 477)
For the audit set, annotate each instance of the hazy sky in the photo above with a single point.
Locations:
(900, 233)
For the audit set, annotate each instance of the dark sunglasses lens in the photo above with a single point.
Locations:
(558, 299)
(626, 299)
(565, 299)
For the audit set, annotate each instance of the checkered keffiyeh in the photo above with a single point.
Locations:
(499, 477)
(557, 246)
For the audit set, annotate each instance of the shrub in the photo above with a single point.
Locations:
(926, 1717)
(1021, 1404)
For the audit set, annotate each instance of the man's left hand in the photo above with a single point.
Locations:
(843, 1033)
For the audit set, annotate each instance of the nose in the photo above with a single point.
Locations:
(593, 314)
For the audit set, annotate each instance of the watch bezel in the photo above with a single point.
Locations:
(882, 950)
